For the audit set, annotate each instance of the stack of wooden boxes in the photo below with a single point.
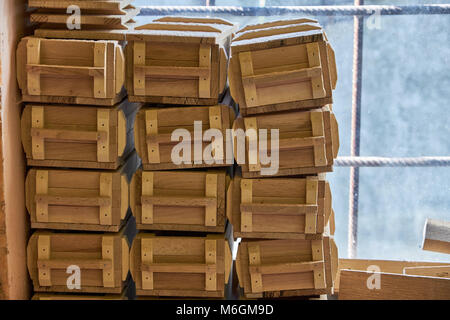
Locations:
(282, 75)
(179, 66)
(77, 133)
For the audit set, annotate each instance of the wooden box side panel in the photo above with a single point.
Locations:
(178, 217)
(82, 184)
(71, 119)
(177, 251)
(170, 119)
(70, 249)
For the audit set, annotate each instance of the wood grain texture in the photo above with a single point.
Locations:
(353, 286)
(437, 236)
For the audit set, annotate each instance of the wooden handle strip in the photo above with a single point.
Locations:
(179, 201)
(66, 70)
(73, 201)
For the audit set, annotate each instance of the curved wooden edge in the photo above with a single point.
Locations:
(179, 26)
(124, 196)
(332, 66)
(132, 194)
(137, 138)
(277, 30)
(25, 127)
(229, 206)
(195, 20)
(228, 262)
(334, 135)
(120, 69)
(239, 274)
(32, 256)
(21, 54)
(125, 258)
(132, 265)
(121, 132)
(328, 202)
(334, 260)
(332, 223)
(234, 80)
(30, 177)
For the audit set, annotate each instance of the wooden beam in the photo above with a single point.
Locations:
(436, 236)
(354, 286)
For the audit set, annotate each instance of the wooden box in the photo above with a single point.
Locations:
(308, 142)
(180, 266)
(103, 259)
(49, 71)
(282, 65)
(285, 268)
(179, 200)
(78, 136)
(77, 200)
(154, 127)
(106, 15)
(280, 208)
(177, 60)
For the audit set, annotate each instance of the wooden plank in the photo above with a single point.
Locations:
(252, 144)
(204, 82)
(103, 142)
(100, 80)
(211, 192)
(246, 63)
(353, 286)
(106, 190)
(432, 271)
(33, 57)
(151, 129)
(318, 255)
(211, 260)
(37, 142)
(108, 255)
(44, 255)
(42, 189)
(437, 236)
(317, 85)
(254, 256)
(139, 73)
(147, 258)
(312, 192)
(147, 190)
(246, 198)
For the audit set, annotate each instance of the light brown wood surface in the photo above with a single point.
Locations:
(180, 266)
(179, 200)
(437, 236)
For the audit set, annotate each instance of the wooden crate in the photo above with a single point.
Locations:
(176, 60)
(308, 141)
(107, 15)
(78, 136)
(280, 208)
(154, 126)
(179, 200)
(49, 71)
(103, 259)
(287, 268)
(180, 266)
(77, 200)
(282, 65)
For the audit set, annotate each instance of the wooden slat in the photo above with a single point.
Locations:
(103, 131)
(174, 71)
(281, 208)
(252, 145)
(147, 258)
(211, 192)
(68, 135)
(139, 73)
(108, 255)
(211, 260)
(291, 267)
(44, 255)
(317, 125)
(179, 267)
(86, 264)
(106, 192)
(312, 194)
(204, 82)
(254, 257)
(96, 72)
(437, 236)
(353, 286)
(41, 189)
(72, 201)
(318, 255)
(246, 198)
(179, 201)
(247, 73)
(37, 143)
(151, 129)
(317, 85)
(100, 77)
(33, 57)
(147, 190)
(434, 271)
